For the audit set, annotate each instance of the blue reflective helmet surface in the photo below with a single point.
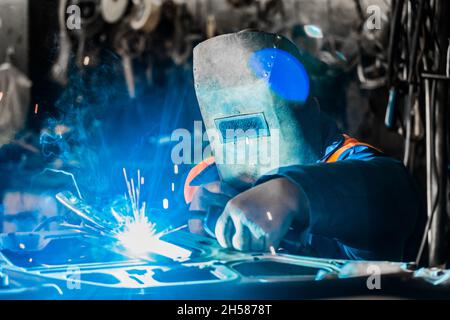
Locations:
(285, 74)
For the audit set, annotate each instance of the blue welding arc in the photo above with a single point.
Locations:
(286, 75)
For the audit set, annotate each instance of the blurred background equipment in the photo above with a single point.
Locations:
(14, 99)
(14, 84)
(416, 75)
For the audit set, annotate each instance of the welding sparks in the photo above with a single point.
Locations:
(165, 203)
(139, 235)
(36, 108)
(134, 194)
(269, 215)
(86, 60)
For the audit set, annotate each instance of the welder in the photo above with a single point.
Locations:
(328, 194)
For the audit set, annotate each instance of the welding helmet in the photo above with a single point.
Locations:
(253, 90)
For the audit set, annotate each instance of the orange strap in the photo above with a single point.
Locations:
(348, 143)
(195, 171)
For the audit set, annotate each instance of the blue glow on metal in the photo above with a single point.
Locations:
(284, 73)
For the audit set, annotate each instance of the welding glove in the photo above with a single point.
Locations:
(258, 218)
(211, 195)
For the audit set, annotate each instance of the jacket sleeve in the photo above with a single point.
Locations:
(370, 205)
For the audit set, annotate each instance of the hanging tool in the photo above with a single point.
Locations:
(145, 15)
(113, 10)
(129, 45)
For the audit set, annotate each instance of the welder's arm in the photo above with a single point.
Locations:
(369, 205)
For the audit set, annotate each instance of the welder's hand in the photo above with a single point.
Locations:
(260, 217)
(214, 194)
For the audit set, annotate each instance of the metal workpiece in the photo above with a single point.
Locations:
(68, 265)
(211, 268)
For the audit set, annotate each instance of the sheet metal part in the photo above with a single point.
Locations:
(210, 266)
(212, 272)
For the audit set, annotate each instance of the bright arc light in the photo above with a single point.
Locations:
(140, 238)
(139, 235)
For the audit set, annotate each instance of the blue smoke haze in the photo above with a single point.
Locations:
(100, 130)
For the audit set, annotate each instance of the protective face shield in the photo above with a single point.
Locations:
(253, 91)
